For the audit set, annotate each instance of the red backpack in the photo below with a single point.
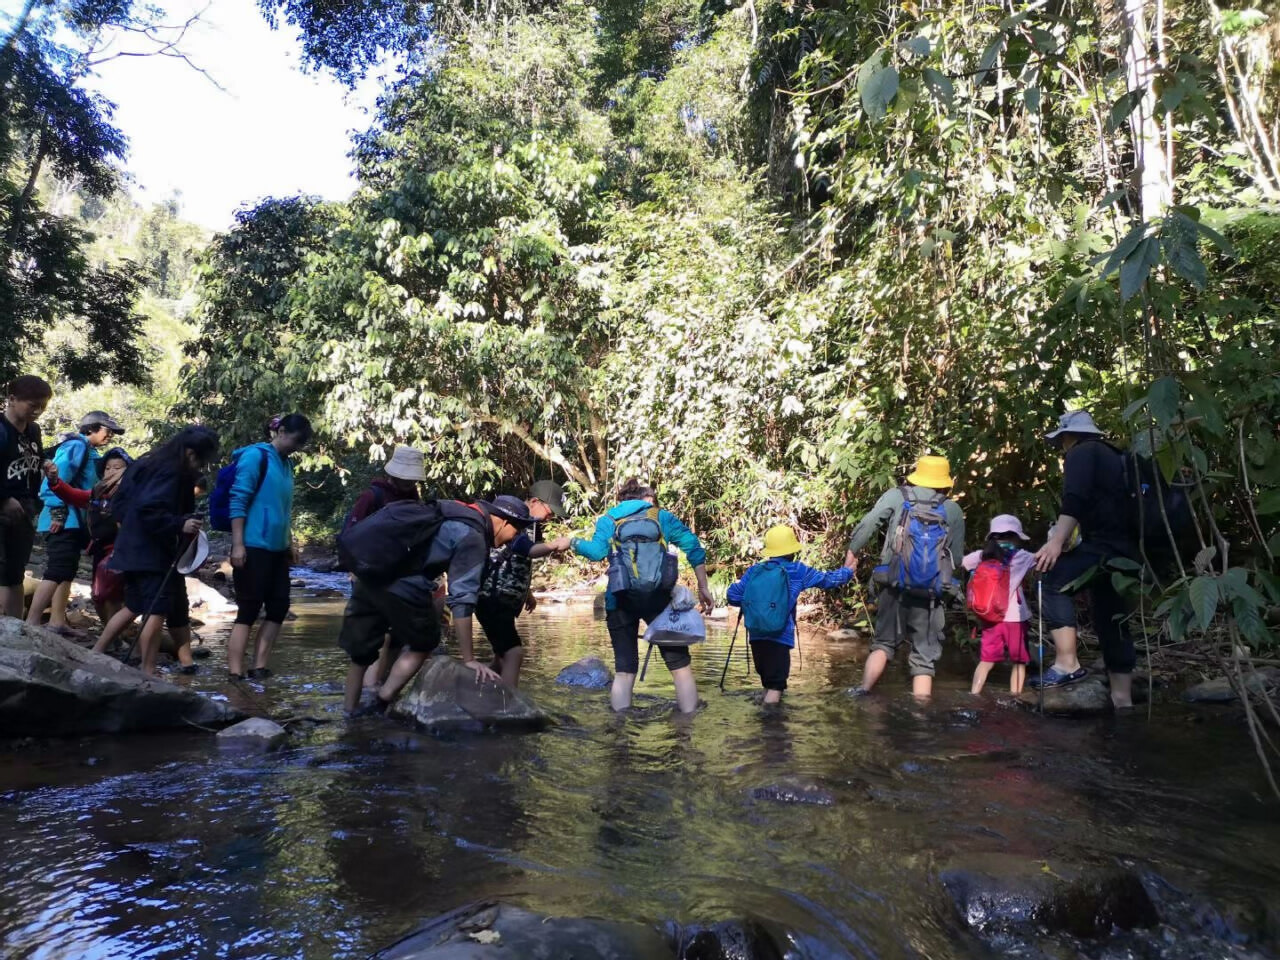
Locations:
(988, 591)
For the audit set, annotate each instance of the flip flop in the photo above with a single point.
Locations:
(1053, 677)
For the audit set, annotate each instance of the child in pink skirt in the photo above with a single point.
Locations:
(1008, 637)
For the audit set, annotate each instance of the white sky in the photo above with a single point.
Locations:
(272, 131)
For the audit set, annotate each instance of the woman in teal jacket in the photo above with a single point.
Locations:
(262, 539)
(623, 613)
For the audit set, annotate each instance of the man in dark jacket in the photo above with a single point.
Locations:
(1094, 501)
(405, 607)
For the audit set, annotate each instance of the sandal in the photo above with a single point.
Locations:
(1053, 677)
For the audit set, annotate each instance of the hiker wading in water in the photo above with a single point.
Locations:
(634, 536)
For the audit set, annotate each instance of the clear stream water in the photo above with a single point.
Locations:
(161, 846)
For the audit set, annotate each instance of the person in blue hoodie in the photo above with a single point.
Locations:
(624, 613)
(66, 534)
(772, 653)
(262, 540)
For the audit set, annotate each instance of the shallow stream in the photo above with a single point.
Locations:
(161, 846)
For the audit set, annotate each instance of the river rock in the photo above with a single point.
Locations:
(844, 634)
(254, 733)
(492, 931)
(1220, 690)
(50, 687)
(748, 939)
(795, 790)
(208, 599)
(446, 696)
(1001, 892)
(1083, 698)
(589, 672)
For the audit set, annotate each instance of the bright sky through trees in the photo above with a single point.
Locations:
(271, 130)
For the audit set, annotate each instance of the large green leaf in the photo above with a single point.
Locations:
(1162, 400)
(1204, 600)
(877, 86)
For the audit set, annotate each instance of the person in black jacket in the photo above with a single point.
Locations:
(156, 509)
(1094, 501)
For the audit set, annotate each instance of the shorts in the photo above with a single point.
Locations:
(624, 634)
(62, 553)
(917, 620)
(500, 628)
(372, 611)
(1009, 637)
(158, 593)
(773, 663)
(16, 541)
(1109, 608)
(262, 581)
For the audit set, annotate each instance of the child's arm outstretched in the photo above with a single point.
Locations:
(824, 581)
(734, 595)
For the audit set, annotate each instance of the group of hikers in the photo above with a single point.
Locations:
(410, 557)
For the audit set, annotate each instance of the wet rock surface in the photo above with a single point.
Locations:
(491, 930)
(589, 672)
(1086, 697)
(795, 790)
(749, 939)
(446, 696)
(1000, 892)
(256, 733)
(52, 687)
(1221, 689)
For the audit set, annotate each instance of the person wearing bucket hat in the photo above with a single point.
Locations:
(995, 594)
(916, 574)
(506, 590)
(1094, 502)
(64, 525)
(401, 476)
(767, 594)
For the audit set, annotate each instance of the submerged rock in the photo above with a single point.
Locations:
(1085, 697)
(50, 687)
(795, 790)
(748, 939)
(1000, 892)
(482, 931)
(254, 733)
(843, 634)
(446, 696)
(1220, 689)
(589, 672)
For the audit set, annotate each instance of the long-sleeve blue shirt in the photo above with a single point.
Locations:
(268, 513)
(77, 463)
(673, 531)
(800, 578)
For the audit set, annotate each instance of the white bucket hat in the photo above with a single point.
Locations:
(1006, 523)
(195, 555)
(1074, 421)
(406, 464)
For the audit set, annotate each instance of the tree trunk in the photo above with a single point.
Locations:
(1150, 160)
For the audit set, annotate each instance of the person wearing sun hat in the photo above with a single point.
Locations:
(1094, 502)
(782, 574)
(899, 614)
(400, 479)
(1003, 554)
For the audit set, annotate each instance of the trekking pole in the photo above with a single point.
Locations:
(646, 662)
(182, 549)
(732, 640)
(1040, 633)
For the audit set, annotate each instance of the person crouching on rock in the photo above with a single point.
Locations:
(404, 605)
(642, 572)
(507, 588)
(155, 506)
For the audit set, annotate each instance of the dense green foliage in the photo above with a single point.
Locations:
(767, 254)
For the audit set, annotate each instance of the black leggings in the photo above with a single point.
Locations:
(262, 581)
(1109, 608)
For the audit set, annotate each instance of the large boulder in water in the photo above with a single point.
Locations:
(446, 696)
(488, 931)
(50, 687)
(589, 672)
(1083, 698)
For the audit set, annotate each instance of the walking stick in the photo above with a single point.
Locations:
(646, 662)
(182, 548)
(1040, 632)
(732, 640)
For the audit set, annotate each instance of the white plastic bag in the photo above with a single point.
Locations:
(682, 598)
(676, 628)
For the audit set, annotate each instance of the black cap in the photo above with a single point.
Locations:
(512, 509)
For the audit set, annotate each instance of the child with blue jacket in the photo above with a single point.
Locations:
(770, 650)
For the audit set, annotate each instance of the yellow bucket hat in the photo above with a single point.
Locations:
(780, 541)
(932, 472)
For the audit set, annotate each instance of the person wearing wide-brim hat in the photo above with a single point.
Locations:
(771, 651)
(916, 614)
(1094, 501)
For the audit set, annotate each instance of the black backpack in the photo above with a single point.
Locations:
(391, 543)
(1146, 490)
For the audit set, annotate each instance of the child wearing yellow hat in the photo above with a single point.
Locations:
(767, 595)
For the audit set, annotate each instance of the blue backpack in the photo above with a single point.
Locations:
(220, 497)
(640, 565)
(921, 563)
(766, 600)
